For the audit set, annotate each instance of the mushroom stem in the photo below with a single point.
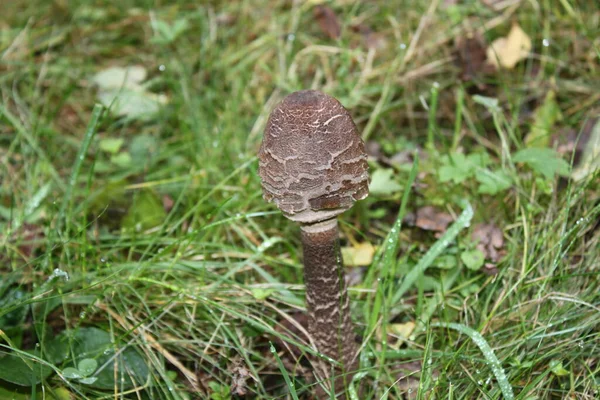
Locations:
(327, 297)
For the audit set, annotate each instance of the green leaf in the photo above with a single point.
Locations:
(492, 182)
(457, 167)
(17, 394)
(383, 182)
(122, 159)
(88, 381)
(95, 343)
(72, 373)
(146, 212)
(546, 162)
(142, 147)
(473, 259)
(261, 294)
(111, 145)
(490, 103)
(557, 368)
(87, 366)
(23, 370)
(544, 118)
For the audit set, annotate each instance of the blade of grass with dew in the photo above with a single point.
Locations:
(425, 262)
(87, 140)
(284, 372)
(488, 353)
(386, 259)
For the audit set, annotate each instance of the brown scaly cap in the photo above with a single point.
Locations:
(312, 161)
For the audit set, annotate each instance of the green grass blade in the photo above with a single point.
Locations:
(285, 374)
(488, 353)
(87, 140)
(425, 262)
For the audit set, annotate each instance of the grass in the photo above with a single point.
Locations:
(144, 244)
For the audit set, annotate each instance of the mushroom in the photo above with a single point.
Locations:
(313, 166)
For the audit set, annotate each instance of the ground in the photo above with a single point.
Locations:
(138, 257)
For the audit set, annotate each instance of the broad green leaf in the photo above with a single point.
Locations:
(23, 370)
(122, 159)
(87, 366)
(473, 259)
(146, 212)
(383, 182)
(547, 162)
(557, 368)
(457, 167)
(72, 373)
(95, 343)
(111, 145)
(492, 182)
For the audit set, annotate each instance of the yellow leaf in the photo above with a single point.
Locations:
(358, 255)
(507, 51)
(402, 331)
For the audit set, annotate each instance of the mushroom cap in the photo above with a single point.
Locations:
(312, 161)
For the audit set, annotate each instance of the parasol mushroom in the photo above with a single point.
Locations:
(313, 166)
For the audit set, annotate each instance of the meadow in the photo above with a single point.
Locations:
(138, 259)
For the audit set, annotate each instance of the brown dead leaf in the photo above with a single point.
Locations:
(167, 202)
(239, 376)
(226, 19)
(507, 51)
(431, 219)
(589, 142)
(471, 57)
(328, 21)
(490, 241)
(371, 39)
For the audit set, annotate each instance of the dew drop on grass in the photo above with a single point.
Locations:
(402, 46)
(162, 67)
(103, 260)
(82, 315)
(546, 42)
(58, 273)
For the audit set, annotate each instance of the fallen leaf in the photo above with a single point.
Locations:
(168, 203)
(121, 90)
(431, 219)
(490, 241)
(117, 77)
(471, 56)
(590, 157)
(358, 255)
(544, 118)
(328, 21)
(507, 51)
(239, 376)
(403, 330)
(371, 39)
